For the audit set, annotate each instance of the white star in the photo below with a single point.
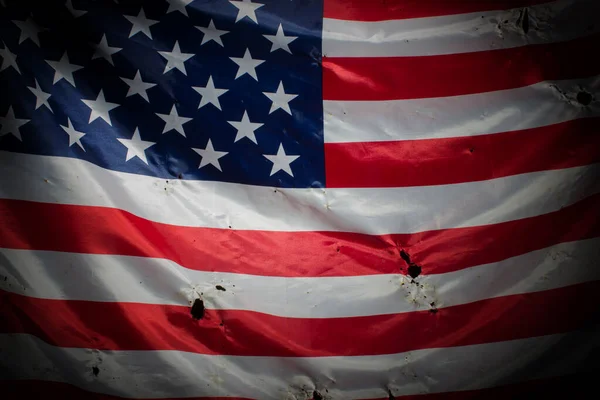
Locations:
(280, 41)
(138, 86)
(41, 97)
(100, 108)
(174, 121)
(73, 11)
(246, 8)
(140, 24)
(178, 5)
(212, 33)
(245, 128)
(280, 99)
(210, 156)
(176, 59)
(247, 65)
(29, 30)
(210, 94)
(9, 59)
(74, 135)
(10, 124)
(105, 51)
(281, 161)
(136, 147)
(64, 69)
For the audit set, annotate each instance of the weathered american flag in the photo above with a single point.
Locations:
(293, 199)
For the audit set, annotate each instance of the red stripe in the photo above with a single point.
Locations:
(373, 10)
(564, 386)
(389, 78)
(462, 159)
(40, 226)
(132, 326)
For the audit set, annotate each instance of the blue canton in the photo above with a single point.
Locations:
(192, 89)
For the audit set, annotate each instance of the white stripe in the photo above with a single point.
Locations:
(469, 115)
(463, 33)
(217, 204)
(68, 276)
(159, 374)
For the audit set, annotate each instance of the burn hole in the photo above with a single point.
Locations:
(390, 395)
(198, 309)
(523, 20)
(584, 98)
(317, 396)
(95, 371)
(433, 308)
(405, 256)
(221, 288)
(414, 270)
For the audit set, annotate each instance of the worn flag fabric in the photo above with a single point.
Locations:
(298, 199)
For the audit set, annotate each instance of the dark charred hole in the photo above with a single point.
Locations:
(414, 270)
(523, 20)
(180, 176)
(5, 278)
(317, 396)
(229, 226)
(433, 308)
(198, 309)
(95, 371)
(221, 288)
(221, 324)
(390, 395)
(405, 256)
(584, 98)
(471, 149)
(337, 249)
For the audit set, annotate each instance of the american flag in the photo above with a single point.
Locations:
(298, 199)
